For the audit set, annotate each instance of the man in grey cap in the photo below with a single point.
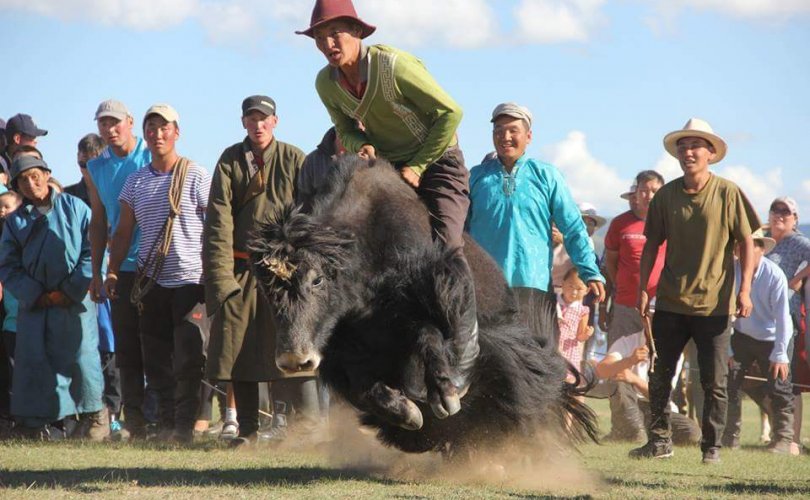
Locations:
(105, 176)
(513, 201)
(168, 286)
(253, 179)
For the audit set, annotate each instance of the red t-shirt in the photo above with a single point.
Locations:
(626, 236)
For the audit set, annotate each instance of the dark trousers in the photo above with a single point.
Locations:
(129, 355)
(7, 344)
(111, 397)
(634, 414)
(174, 352)
(748, 350)
(685, 431)
(445, 190)
(626, 418)
(538, 310)
(671, 332)
(246, 395)
(300, 396)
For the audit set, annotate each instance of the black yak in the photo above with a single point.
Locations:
(425, 345)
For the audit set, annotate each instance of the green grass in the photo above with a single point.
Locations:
(72, 469)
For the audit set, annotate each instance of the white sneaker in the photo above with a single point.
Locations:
(229, 431)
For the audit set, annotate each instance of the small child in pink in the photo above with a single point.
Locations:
(573, 319)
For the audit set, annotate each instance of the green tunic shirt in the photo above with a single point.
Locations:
(700, 230)
(242, 343)
(407, 116)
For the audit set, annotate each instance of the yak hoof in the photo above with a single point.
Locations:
(414, 420)
(447, 406)
(439, 411)
(452, 403)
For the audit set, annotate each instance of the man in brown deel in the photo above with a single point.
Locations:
(252, 179)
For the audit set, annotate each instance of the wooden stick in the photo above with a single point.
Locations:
(217, 389)
(760, 379)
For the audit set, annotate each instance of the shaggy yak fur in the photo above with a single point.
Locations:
(424, 342)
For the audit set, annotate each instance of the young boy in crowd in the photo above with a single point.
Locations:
(572, 315)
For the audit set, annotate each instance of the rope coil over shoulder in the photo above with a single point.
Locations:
(144, 280)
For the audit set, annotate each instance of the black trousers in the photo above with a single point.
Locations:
(300, 395)
(129, 354)
(111, 397)
(174, 352)
(445, 190)
(671, 332)
(747, 351)
(538, 310)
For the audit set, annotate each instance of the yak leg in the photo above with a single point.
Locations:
(442, 394)
(392, 406)
(353, 375)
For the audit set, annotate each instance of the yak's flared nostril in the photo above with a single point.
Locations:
(291, 362)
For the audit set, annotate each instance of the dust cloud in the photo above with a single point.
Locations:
(545, 465)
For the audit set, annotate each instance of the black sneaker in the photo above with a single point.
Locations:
(780, 447)
(711, 456)
(653, 449)
(732, 443)
(278, 429)
(6, 426)
(244, 442)
(182, 436)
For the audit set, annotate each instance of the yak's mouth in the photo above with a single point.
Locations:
(292, 362)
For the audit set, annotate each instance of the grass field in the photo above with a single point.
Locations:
(207, 470)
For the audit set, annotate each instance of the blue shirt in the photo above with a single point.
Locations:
(510, 217)
(789, 254)
(770, 319)
(109, 172)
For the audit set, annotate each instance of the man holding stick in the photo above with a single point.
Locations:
(695, 291)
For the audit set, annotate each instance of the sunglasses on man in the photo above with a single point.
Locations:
(783, 211)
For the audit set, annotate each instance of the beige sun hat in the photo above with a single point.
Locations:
(696, 127)
(767, 242)
(630, 192)
(588, 210)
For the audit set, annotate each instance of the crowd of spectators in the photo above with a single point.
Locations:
(129, 303)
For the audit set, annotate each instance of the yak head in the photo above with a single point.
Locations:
(299, 264)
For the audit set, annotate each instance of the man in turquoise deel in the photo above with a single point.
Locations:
(45, 263)
(513, 201)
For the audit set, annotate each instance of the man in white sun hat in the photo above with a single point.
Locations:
(701, 216)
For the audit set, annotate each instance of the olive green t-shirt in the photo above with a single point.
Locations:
(700, 230)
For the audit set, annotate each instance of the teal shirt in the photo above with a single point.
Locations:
(10, 305)
(109, 172)
(510, 217)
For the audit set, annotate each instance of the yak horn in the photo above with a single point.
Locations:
(281, 268)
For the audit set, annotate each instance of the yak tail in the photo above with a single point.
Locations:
(581, 422)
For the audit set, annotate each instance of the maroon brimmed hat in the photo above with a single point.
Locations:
(329, 10)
